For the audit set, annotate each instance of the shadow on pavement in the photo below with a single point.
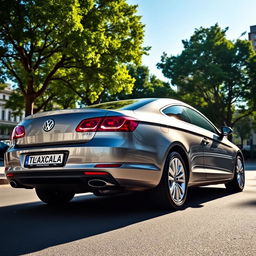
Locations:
(30, 227)
(251, 203)
(199, 195)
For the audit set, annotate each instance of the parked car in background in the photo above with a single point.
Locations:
(3, 149)
(161, 145)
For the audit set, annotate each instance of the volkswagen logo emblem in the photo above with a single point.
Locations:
(48, 125)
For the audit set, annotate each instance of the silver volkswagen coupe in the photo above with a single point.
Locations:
(160, 145)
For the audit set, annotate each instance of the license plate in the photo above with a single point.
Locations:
(44, 160)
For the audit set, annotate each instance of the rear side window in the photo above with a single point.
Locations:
(199, 120)
(177, 112)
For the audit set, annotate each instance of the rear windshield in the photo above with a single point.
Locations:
(123, 104)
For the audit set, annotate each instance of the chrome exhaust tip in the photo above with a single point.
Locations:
(97, 183)
(13, 183)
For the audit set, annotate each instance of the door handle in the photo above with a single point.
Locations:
(205, 141)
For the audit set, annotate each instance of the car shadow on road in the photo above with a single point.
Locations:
(199, 195)
(31, 227)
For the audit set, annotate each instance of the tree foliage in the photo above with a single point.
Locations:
(54, 97)
(243, 129)
(145, 86)
(215, 74)
(83, 45)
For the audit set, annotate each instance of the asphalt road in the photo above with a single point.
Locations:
(213, 223)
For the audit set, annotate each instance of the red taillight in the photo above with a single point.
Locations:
(18, 132)
(118, 124)
(88, 125)
(9, 174)
(108, 124)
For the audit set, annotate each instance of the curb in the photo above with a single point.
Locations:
(3, 181)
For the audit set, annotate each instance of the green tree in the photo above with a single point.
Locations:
(215, 74)
(54, 97)
(83, 45)
(243, 128)
(145, 86)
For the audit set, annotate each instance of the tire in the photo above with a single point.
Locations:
(54, 197)
(171, 193)
(238, 181)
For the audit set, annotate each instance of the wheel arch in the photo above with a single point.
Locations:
(239, 153)
(180, 148)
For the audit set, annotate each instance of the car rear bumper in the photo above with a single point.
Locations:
(138, 170)
(137, 178)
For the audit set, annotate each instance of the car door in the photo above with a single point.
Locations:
(218, 159)
(218, 155)
(190, 138)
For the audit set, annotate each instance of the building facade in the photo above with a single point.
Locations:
(252, 36)
(7, 120)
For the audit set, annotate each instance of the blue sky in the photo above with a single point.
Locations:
(170, 21)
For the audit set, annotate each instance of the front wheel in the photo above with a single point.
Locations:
(172, 189)
(54, 197)
(238, 181)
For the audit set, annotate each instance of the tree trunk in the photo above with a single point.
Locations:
(242, 142)
(29, 104)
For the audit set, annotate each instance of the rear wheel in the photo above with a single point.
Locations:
(237, 183)
(54, 197)
(172, 190)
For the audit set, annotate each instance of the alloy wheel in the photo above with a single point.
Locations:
(177, 180)
(240, 173)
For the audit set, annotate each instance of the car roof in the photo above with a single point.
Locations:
(159, 103)
(147, 104)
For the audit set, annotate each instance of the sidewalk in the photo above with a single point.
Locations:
(2, 175)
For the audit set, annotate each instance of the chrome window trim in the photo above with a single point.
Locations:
(172, 105)
(185, 106)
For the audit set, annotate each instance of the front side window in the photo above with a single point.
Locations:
(177, 112)
(199, 120)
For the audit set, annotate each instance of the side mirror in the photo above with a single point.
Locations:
(225, 131)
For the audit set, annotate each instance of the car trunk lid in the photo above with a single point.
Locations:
(57, 127)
